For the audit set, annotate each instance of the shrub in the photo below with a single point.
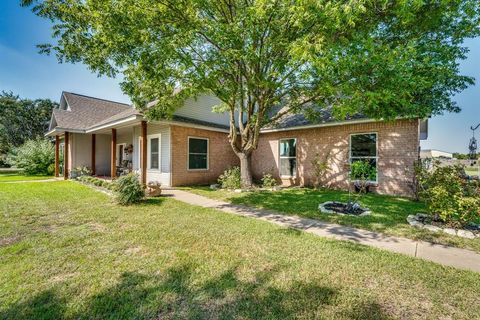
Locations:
(230, 179)
(449, 195)
(362, 172)
(320, 168)
(77, 172)
(129, 189)
(51, 169)
(34, 156)
(268, 181)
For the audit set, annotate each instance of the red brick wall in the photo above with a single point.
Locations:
(220, 156)
(398, 144)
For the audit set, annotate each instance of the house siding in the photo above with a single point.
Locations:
(220, 156)
(398, 149)
(164, 174)
(201, 109)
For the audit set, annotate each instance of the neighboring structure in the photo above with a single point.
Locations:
(432, 153)
(192, 148)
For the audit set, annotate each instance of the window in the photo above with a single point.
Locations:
(197, 154)
(154, 152)
(288, 157)
(363, 147)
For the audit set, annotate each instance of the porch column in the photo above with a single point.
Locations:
(57, 156)
(143, 153)
(113, 160)
(65, 155)
(93, 154)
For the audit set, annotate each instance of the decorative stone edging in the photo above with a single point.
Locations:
(417, 221)
(323, 209)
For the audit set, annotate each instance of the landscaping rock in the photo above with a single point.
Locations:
(238, 190)
(466, 234)
(323, 207)
(421, 220)
(450, 231)
(432, 228)
(416, 224)
(214, 186)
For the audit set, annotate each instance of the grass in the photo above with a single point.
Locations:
(388, 213)
(472, 171)
(63, 258)
(14, 177)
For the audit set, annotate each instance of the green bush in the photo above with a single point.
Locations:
(129, 189)
(449, 195)
(78, 172)
(51, 169)
(362, 172)
(230, 179)
(34, 157)
(268, 181)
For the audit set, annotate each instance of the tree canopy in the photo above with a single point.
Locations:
(22, 119)
(267, 58)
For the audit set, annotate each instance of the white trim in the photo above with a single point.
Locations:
(63, 130)
(149, 156)
(188, 153)
(117, 159)
(330, 124)
(376, 157)
(285, 157)
(114, 123)
(192, 125)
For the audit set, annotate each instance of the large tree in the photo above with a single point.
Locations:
(266, 58)
(22, 120)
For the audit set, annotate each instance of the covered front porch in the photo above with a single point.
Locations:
(112, 150)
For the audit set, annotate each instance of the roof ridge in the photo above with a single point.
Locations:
(84, 95)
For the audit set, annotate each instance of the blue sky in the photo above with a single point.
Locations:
(29, 74)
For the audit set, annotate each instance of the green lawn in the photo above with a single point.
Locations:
(388, 213)
(67, 251)
(472, 171)
(12, 177)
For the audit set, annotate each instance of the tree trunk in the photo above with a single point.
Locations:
(246, 170)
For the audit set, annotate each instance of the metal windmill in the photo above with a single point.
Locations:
(472, 146)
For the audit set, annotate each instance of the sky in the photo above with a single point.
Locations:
(31, 75)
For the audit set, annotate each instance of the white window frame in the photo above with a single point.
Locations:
(287, 157)
(117, 158)
(188, 153)
(149, 156)
(350, 158)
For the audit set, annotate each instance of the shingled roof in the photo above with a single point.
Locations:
(323, 116)
(82, 112)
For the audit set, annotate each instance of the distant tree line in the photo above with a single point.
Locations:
(21, 120)
(463, 156)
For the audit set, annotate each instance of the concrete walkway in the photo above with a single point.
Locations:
(449, 256)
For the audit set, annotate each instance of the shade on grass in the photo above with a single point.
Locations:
(389, 214)
(67, 251)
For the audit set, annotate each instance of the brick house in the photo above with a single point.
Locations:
(192, 147)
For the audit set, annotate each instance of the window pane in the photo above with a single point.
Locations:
(288, 148)
(372, 162)
(364, 145)
(197, 145)
(197, 161)
(288, 167)
(154, 163)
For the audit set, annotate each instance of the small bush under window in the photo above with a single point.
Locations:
(230, 179)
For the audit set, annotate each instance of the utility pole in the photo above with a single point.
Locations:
(472, 147)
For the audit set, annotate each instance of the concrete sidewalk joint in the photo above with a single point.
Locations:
(448, 256)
